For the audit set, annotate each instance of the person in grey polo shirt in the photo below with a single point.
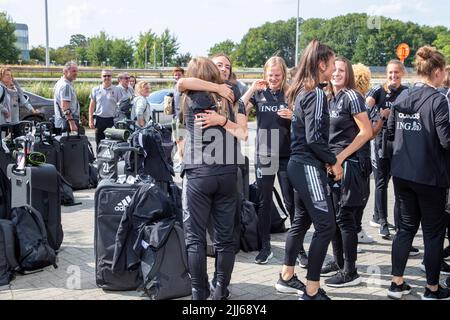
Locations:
(67, 108)
(102, 108)
(125, 96)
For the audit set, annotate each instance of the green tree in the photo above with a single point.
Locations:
(259, 44)
(38, 53)
(182, 59)
(121, 53)
(146, 44)
(442, 43)
(63, 54)
(8, 52)
(167, 47)
(78, 40)
(227, 47)
(99, 49)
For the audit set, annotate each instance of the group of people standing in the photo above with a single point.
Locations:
(315, 135)
(322, 134)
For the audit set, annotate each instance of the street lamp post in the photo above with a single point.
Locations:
(297, 33)
(128, 62)
(146, 56)
(47, 51)
(107, 62)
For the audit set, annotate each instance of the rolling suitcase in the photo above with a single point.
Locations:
(46, 144)
(75, 160)
(111, 200)
(38, 187)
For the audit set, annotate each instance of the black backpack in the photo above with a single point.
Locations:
(277, 216)
(249, 228)
(8, 260)
(164, 263)
(35, 251)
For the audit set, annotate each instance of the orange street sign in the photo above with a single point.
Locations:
(402, 51)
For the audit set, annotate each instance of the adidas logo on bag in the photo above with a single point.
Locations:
(107, 154)
(121, 206)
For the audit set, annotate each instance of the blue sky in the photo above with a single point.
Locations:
(198, 24)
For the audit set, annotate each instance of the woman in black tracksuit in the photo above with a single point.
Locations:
(350, 129)
(379, 98)
(419, 125)
(272, 146)
(212, 126)
(310, 156)
(445, 89)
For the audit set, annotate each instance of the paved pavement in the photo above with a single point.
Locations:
(74, 278)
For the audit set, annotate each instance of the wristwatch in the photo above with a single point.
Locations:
(67, 112)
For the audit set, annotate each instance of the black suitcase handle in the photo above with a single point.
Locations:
(121, 150)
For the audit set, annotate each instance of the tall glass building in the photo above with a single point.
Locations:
(21, 34)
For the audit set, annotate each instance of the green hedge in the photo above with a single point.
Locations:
(83, 91)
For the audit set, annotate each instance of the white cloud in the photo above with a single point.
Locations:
(73, 15)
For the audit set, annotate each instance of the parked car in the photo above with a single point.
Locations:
(156, 100)
(41, 104)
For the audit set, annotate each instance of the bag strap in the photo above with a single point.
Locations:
(8, 234)
(37, 217)
(2, 97)
(280, 203)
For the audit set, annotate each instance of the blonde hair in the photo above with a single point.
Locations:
(140, 87)
(277, 61)
(3, 70)
(427, 60)
(447, 77)
(362, 78)
(204, 69)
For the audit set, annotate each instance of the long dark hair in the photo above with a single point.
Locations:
(308, 74)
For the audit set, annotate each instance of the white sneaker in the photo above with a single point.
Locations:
(374, 224)
(363, 237)
(359, 249)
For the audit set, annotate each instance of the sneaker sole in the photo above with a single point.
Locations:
(328, 274)
(425, 298)
(385, 237)
(447, 258)
(352, 283)
(397, 295)
(304, 266)
(287, 290)
(366, 241)
(265, 261)
(374, 224)
(413, 254)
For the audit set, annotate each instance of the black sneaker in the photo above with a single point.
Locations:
(293, 285)
(397, 291)
(439, 294)
(343, 279)
(414, 252)
(384, 232)
(212, 288)
(329, 269)
(264, 255)
(302, 259)
(320, 295)
(445, 268)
